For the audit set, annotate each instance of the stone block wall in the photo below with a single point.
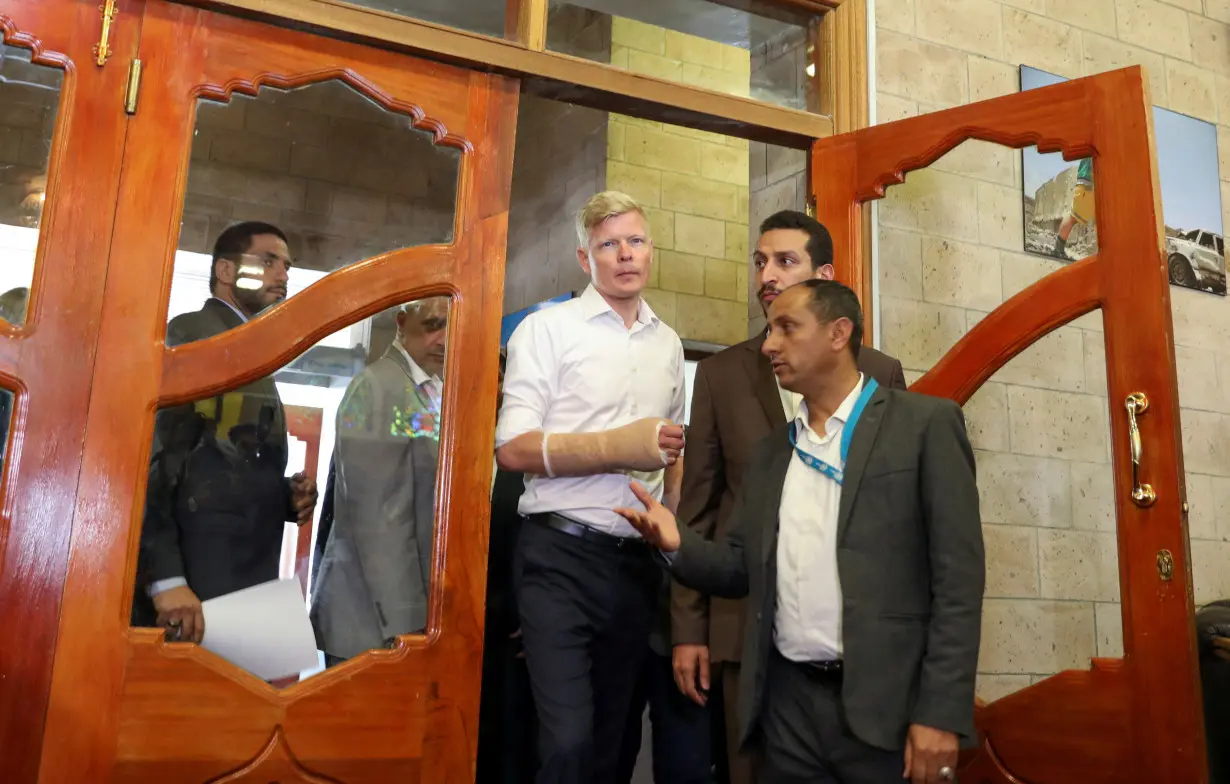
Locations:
(950, 242)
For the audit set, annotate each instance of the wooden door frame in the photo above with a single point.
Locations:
(49, 361)
(1137, 718)
(417, 703)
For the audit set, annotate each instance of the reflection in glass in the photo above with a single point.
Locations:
(342, 178)
(478, 16)
(29, 105)
(233, 503)
(767, 57)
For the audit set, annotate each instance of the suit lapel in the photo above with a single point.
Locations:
(763, 383)
(865, 431)
(771, 503)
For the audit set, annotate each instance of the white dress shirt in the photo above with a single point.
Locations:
(807, 623)
(432, 385)
(575, 368)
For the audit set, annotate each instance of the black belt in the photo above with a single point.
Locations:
(826, 669)
(631, 545)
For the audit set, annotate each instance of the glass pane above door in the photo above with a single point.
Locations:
(488, 17)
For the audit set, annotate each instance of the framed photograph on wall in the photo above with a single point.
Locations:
(1058, 196)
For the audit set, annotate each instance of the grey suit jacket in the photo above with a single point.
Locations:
(909, 558)
(375, 575)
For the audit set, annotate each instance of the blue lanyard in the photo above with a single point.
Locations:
(847, 432)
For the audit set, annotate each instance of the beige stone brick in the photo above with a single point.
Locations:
(1079, 565)
(736, 243)
(288, 193)
(724, 163)
(1095, 363)
(638, 35)
(639, 182)
(615, 136)
(960, 273)
(1210, 571)
(1093, 497)
(1034, 636)
(1153, 25)
(661, 227)
(1223, 151)
(1000, 216)
(1194, 6)
(659, 150)
(1022, 490)
(1210, 44)
(743, 286)
(692, 133)
(695, 196)
(715, 321)
(1217, 9)
(1191, 90)
(897, 15)
(1022, 270)
(890, 108)
(681, 272)
(1221, 506)
(919, 333)
(1200, 321)
(1012, 561)
(619, 57)
(1201, 508)
(1205, 439)
(990, 688)
(1055, 361)
(1107, 54)
(1109, 620)
(1058, 424)
(986, 418)
(249, 151)
(991, 79)
(970, 25)
(224, 116)
(665, 305)
(737, 60)
(1036, 6)
(743, 204)
(1041, 42)
(694, 49)
(714, 79)
(209, 179)
(983, 160)
(934, 202)
(699, 236)
(655, 275)
(919, 70)
(783, 162)
(900, 262)
(1199, 386)
(721, 279)
(1223, 370)
(654, 65)
(1096, 15)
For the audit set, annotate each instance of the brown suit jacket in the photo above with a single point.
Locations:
(735, 404)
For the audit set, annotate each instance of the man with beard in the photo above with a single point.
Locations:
(736, 402)
(218, 496)
(375, 577)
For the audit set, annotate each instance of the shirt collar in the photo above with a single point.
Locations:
(238, 312)
(417, 374)
(840, 415)
(593, 305)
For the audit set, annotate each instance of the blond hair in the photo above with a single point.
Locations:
(600, 207)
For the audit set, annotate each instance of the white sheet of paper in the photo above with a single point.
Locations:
(264, 629)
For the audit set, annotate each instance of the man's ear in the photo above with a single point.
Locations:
(825, 272)
(583, 260)
(225, 270)
(842, 328)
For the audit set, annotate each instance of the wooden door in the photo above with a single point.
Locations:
(125, 706)
(1137, 718)
(63, 134)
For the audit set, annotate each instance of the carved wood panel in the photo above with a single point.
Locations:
(125, 705)
(1138, 718)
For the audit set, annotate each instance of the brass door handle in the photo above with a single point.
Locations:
(1142, 493)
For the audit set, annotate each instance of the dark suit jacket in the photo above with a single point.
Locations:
(909, 558)
(218, 497)
(735, 404)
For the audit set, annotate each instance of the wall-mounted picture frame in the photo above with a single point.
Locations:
(1058, 198)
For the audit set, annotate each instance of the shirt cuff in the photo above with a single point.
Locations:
(158, 586)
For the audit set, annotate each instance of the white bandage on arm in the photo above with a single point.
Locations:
(633, 447)
(546, 459)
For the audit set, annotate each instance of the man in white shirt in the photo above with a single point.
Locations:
(375, 576)
(857, 540)
(591, 394)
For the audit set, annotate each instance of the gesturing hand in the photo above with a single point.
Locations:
(655, 523)
(180, 611)
(1221, 648)
(670, 442)
(303, 495)
(927, 750)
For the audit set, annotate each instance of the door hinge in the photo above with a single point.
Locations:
(134, 87)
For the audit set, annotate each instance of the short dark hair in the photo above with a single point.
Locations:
(236, 241)
(819, 241)
(830, 301)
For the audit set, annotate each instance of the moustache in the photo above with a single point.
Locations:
(767, 289)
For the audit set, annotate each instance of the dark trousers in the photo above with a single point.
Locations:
(586, 611)
(805, 739)
(680, 729)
